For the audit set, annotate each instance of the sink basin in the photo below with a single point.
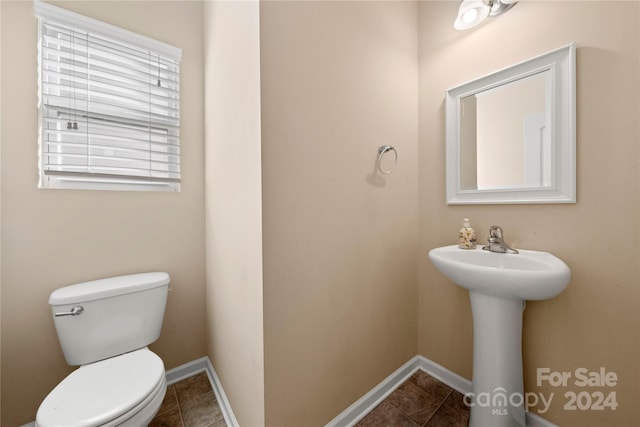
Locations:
(528, 275)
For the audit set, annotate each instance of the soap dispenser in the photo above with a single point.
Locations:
(466, 236)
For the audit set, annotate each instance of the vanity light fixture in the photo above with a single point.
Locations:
(473, 12)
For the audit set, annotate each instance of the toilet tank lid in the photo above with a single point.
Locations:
(109, 287)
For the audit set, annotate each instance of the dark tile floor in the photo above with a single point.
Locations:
(420, 401)
(189, 403)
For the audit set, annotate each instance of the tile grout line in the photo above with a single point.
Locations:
(180, 405)
(438, 408)
(200, 396)
(400, 410)
(429, 394)
(175, 390)
(180, 411)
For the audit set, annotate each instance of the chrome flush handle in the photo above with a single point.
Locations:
(75, 311)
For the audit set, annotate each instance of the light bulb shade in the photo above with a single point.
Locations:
(498, 7)
(470, 14)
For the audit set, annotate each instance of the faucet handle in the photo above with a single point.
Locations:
(495, 231)
(496, 241)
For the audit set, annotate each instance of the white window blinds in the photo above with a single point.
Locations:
(108, 104)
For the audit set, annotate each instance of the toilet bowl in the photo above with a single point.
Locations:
(125, 390)
(105, 326)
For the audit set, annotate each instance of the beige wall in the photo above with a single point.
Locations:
(233, 204)
(52, 238)
(0, 223)
(338, 79)
(299, 97)
(595, 322)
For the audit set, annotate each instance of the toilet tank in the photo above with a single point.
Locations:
(117, 315)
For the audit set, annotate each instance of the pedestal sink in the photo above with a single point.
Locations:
(498, 286)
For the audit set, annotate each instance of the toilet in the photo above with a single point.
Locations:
(104, 326)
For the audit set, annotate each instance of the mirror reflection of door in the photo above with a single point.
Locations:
(537, 151)
(504, 136)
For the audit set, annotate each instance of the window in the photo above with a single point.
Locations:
(108, 106)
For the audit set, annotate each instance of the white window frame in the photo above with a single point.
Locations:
(61, 175)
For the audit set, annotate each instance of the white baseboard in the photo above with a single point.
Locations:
(225, 406)
(534, 420)
(444, 375)
(366, 403)
(186, 370)
(203, 364)
(190, 369)
(357, 410)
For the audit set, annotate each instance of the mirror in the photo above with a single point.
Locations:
(511, 134)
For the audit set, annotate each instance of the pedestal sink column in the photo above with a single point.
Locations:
(498, 285)
(498, 393)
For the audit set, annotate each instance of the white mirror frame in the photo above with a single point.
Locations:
(562, 66)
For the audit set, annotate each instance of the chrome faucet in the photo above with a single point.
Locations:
(496, 242)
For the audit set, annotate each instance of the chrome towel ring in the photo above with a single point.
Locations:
(382, 150)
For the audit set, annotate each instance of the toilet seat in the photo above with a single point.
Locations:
(105, 393)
